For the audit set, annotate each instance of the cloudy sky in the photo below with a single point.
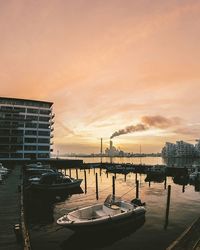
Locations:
(106, 65)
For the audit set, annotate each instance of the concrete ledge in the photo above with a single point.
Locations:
(188, 239)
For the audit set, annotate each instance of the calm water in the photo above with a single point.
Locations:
(153, 233)
(181, 162)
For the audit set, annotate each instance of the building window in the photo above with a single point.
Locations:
(30, 132)
(31, 125)
(43, 140)
(42, 125)
(30, 140)
(44, 155)
(17, 155)
(4, 155)
(45, 112)
(30, 147)
(44, 133)
(44, 119)
(43, 148)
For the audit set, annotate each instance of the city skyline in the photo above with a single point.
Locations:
(107, 66)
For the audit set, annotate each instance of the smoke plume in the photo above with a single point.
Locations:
(146, 123)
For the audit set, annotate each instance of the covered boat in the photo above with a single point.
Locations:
(156, 170)
(54, 181)
(3, 171)
(112, 213)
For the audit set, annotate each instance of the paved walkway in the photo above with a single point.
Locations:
(9, 210)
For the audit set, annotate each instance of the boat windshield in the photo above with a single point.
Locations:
(112, 200)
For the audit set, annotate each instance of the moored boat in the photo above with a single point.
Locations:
(112, 213)
(3, 171)
(156, 170)
(120, 169)
(53, 181)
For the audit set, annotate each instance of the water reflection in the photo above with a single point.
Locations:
(156, 179)
(40, 205)
(181, 180)
(181, 162)
(98, 239)
(197, 187)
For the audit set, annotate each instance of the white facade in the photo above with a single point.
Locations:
(180, 149)
(26, 128)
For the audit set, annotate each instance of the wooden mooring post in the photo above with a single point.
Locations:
(85, 178)
(113, 185)
(97, 190)
(137, 189)
(70, 172)
(168, 205)
(165, 182)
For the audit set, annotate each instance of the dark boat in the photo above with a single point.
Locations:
(118, 169)
(155, 178)
(54, 181)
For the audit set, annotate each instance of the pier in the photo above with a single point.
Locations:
(10, 210)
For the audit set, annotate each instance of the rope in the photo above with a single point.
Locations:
(126, 192)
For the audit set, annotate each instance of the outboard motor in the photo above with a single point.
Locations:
(137, 202)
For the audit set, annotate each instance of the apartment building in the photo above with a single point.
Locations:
(26, 128)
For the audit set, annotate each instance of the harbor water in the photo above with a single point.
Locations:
(155, 232)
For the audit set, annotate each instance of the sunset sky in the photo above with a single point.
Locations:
(106, 64)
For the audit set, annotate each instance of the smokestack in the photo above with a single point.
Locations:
(101, 146)
(111, 145)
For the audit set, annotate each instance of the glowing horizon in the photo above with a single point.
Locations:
(105, 65)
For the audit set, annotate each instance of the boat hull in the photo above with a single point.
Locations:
(109, 223)
(56, 187)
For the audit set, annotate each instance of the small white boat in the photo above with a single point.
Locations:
(3, 171)
(112, 213)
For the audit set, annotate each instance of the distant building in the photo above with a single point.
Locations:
(112, 151)
(184, 149)
(169, 150)
(26, 128)
(197, 147)
(180, 149)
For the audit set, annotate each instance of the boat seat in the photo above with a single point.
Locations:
(100, 213)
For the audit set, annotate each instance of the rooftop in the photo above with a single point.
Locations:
(24, 100)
